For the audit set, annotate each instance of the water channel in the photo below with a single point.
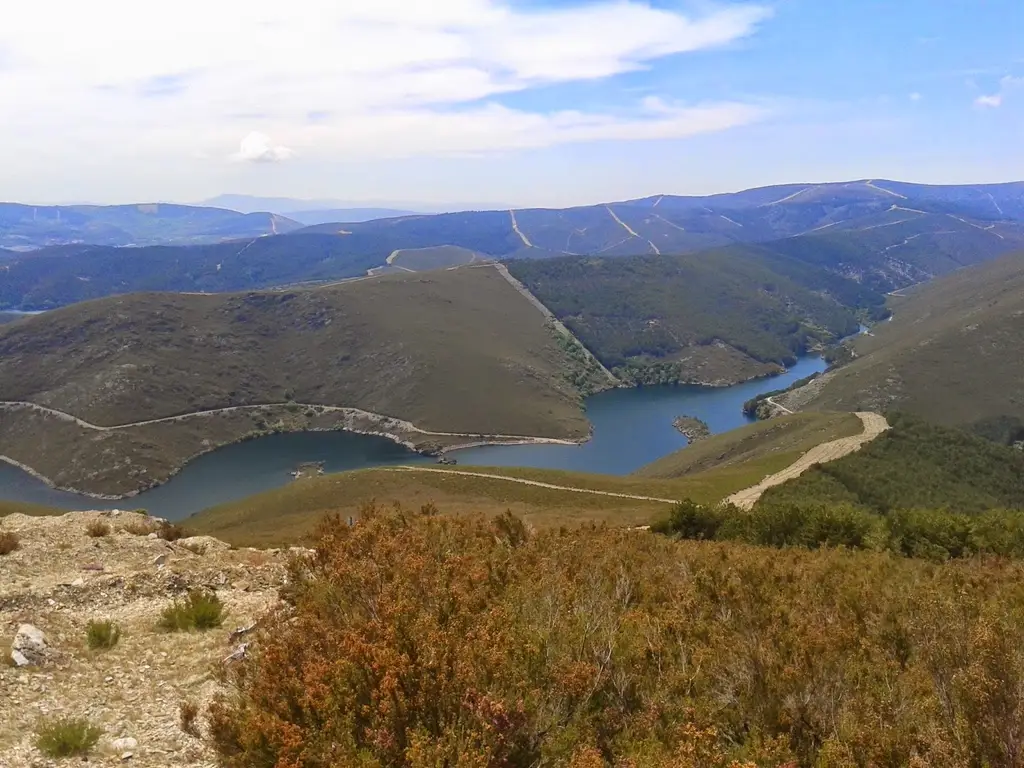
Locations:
(632, 427)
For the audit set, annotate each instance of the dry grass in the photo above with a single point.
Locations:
(98, 529)
(188, 717)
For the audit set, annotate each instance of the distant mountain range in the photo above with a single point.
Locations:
(308, 212)
(883, 234)
(36, 226)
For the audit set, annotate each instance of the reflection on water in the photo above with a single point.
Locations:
(632, 427)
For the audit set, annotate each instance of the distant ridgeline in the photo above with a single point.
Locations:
(881, 234)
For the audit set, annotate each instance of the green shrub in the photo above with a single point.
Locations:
(9, 541)
(930, 534)
(200, 610)
(66, 737)
(102, 635)
(690, 520)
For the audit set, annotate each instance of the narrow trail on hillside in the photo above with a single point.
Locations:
(518, 231)
(12, 405)
(874, 425)
(631, 231)
(559, 325)
(536, 483)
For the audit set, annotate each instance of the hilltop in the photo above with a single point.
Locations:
(36, 226)
(459, 352)
(63, 575)
(953, 354)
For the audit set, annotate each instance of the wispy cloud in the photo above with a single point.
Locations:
(400, 77)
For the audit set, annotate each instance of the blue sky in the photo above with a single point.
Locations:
(524, 103)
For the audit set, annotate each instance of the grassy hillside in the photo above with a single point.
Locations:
(757, 450)
(287, 515)
(146, 224)
(914, 466)
(953, 353)
(665, 318)
(453, 351)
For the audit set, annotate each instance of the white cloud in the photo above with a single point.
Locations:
(389, 78)
(996, 100)
(915, 96)
(257, 148)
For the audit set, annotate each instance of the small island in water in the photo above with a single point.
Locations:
(693, 428)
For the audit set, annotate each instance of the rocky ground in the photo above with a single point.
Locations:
(60, 577)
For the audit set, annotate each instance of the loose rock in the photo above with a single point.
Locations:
(30, 647)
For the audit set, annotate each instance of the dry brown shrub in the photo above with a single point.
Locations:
(415, 640)
(9, 541)
(98, 529)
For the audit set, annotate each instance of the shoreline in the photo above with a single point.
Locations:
(395, 438)
(356, 421)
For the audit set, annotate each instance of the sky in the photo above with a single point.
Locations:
(517, 102)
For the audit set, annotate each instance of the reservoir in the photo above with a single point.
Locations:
(632, 427)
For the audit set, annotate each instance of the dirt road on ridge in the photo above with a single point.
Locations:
(874, 425)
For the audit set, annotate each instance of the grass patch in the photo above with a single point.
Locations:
(66, 737)
(200, 610)
(102, 635)
(141, 527)
(98, 529)
(9, 541)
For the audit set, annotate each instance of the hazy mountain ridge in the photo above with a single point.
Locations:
(36, 226)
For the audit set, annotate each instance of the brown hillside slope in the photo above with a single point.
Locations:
(453, 351)
(443, 350)
(953, 353)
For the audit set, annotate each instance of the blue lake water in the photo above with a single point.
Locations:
(632, 427)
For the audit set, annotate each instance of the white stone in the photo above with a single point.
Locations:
(30, 647)
(124, 744)
(79, 582)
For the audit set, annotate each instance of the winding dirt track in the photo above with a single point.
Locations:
(874, 425)
(536, 483)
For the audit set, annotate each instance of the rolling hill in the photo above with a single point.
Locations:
(952, 354)
(455, 351)
(715, 317)
(35, 226)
